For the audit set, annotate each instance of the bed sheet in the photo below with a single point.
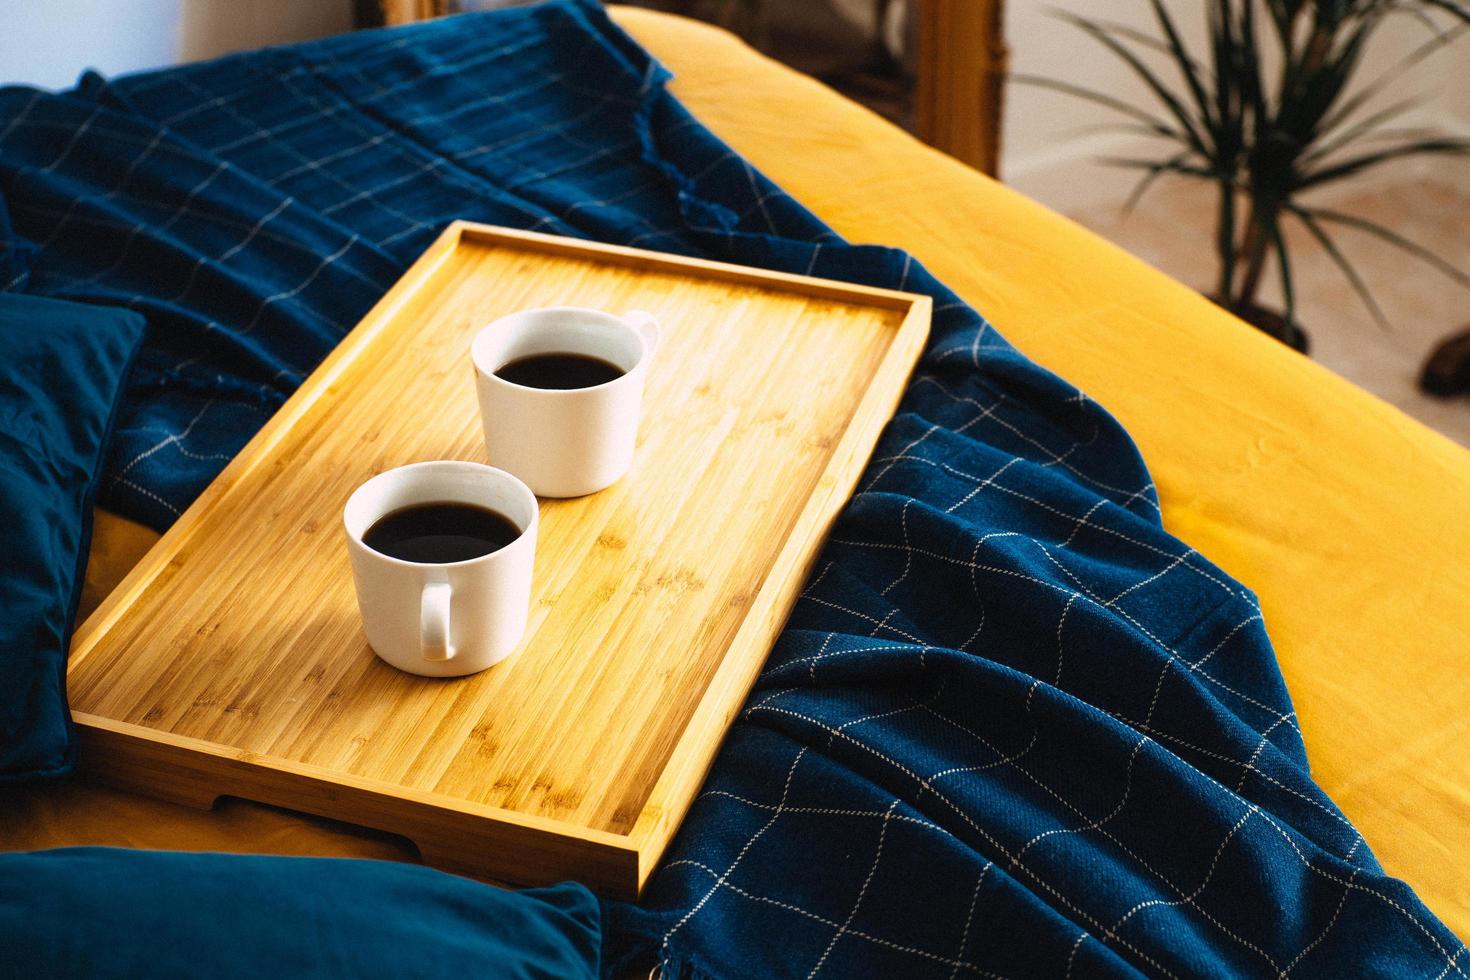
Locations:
(1349, 520)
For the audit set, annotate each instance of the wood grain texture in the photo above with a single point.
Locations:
(232, 661)
(395, 12)
(963, 62)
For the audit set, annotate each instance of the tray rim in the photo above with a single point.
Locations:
(682, 774)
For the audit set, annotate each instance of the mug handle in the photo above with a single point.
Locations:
(646, 324)
(434, 621)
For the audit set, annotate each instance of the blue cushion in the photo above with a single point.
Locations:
(80, 912)
(15, 253)
(62, 367)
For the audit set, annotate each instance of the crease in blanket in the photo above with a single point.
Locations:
(1013, 727)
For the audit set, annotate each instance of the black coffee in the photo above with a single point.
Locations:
(559, 371)
(436, 534)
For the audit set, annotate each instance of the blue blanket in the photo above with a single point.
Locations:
(1013, 727)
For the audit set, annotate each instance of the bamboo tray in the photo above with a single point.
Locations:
(231, 662)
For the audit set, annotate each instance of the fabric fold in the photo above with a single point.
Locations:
(1013, 726)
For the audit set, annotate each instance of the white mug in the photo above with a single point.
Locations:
(452, 619)
(564, 442)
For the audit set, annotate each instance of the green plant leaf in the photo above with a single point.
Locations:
(1306, 126)
(1222, 55)
(1416, 11)
(1185, 62)
(1118, 105)
(1188, 125)
(1451, 7)
(1171, 166)
(1361, 129)
(1393, 238)
(1135, 129)
(1416, 133)
(1283, 267)
(1357, 100)
(1283, 17)
(1317, 85)
(1365, 161)
(1225, 239)
(1329, 14)
(1341, 261)
(1154, 172)
(1230, 131)
(1230, 110)
(1148, 41)
(1253, 92)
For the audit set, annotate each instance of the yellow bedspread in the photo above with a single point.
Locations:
(1349, 520)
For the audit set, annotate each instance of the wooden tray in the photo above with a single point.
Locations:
(232, 660)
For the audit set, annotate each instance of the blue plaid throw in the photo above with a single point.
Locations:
(1013, 727)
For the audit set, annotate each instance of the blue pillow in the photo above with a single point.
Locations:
(101, 912)
(62, 372)
(15, 255)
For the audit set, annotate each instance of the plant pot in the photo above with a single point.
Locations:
(1447, 371)
(1271, 323)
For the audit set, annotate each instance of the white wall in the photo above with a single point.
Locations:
(49, 42)
(1051, 141)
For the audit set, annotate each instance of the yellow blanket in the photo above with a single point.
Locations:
(1348, 519)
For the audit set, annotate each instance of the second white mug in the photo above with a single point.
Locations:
(564, 442)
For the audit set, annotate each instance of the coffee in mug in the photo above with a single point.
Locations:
(440, 533)
(442, 555)
(561, 391)
(559, 371)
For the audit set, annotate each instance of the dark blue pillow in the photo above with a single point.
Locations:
(15, 256)
(101, 912)
(62, 372)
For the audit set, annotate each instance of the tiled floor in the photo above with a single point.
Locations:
(1171, 229)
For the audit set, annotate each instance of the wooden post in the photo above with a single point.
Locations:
(962, 67)
(397, 12)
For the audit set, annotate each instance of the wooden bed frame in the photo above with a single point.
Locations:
(963, 60)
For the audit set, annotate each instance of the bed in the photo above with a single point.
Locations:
(1346, 518)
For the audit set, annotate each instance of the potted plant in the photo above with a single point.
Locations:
(1267, 138)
